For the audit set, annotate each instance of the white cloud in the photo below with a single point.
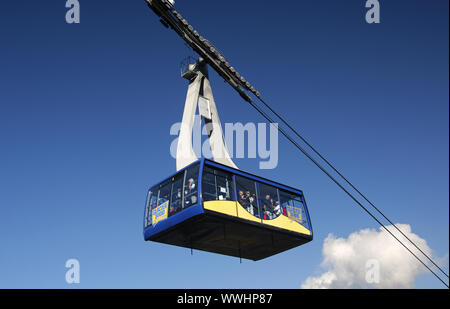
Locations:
(370, 259)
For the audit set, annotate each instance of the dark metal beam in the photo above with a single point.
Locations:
(170, 17)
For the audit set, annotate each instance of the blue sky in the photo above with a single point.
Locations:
(85, 113)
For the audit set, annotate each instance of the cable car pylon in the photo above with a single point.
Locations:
(200, 95)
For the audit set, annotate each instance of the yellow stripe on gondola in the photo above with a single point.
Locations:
(286, 223)
(244, 214)
(224, 207)
(234, 209)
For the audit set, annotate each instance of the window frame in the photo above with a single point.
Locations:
(181, 175)
(153, 192)
(261, 198)
(165, 183)
(304, 208)
(228, 177)
(148, 211)
(256, 189)
(199, 167)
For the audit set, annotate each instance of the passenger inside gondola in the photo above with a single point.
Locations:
(190, 193)
(175, 205)
(247, 201)
(276, 209)
(251, 203)
(268, 207)
(242, 199)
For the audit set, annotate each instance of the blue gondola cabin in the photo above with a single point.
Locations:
(211, 207)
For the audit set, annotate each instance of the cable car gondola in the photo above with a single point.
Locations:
(212, 207)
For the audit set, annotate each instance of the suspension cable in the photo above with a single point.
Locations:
(285, 134)
(349, 183)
